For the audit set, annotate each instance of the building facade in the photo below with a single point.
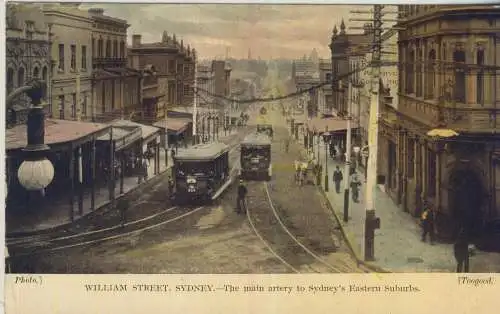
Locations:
(27, 55)
(116, 88)
(174, 66)
(71, 97)
(325, 100)
(206, 82)
(448, 80)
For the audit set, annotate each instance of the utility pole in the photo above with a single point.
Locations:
(195, 102)
(347, 156)
(371, 221)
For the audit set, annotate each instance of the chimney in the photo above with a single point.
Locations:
(96, 11)
(136, 41)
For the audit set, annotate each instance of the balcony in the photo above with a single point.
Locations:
(459, 117)
(110, 62)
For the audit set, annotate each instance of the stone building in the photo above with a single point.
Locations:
(72, 56)
(325, 101)
(174, 64)
(222, 77)
(448, 81)
(27, 55)
(206, 82)
(116, 88)
(306, 75)
(340, 45)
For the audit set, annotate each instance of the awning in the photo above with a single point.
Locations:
(329, 124)
(123, 136)
(174, 125)
(147, 131)
(56, 132)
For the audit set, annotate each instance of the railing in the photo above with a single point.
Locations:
(472, 118)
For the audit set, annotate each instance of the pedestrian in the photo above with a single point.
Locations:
(145, 168)
(297, 171)
(337, 178)
(427, 220)
(123, 205)
(241, 202)
(170, 188)
(172, 153)
(461, 252)
(355, 184)
(287, 144)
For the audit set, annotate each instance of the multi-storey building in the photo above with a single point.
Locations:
(341, 45)
(116, 88)
(325, 101)
(222, 77)
(306, 75)
(71, 97)
(27, 55)
(174, 65)
(448, 59)
(206, 85)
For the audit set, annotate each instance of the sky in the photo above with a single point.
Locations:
(269, 31)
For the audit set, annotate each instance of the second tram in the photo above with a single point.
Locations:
(255, 157)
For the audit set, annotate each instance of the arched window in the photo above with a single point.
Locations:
(122, 49)
(108, 48)
(410, 78)
(116, 53)
(459, 66)
(431, 74)
(10, 80)
(480, 77)
(36, 73)
(20, 77)
(100, 52)
(419, 65)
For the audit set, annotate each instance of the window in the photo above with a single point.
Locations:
(84, 57)
(30, 26)
(431, 73)
(411, 158)
(73, 57)
(84, 106)
(431, 176)
(113, 83)
(36, 72)
(73, 106)
(108, 48)
(115, 49)
(45, 79)
(100, 48)
(459, 66)
(171, 66)
(61, 107)
(122, 49)
(20, 77)
(93, 47)
(419, 72)
(480, 78)
(10, 80)
(61, 57)
(328, 77)
(410, 72)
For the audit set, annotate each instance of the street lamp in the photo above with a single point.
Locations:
(36, 171)
(326, 137)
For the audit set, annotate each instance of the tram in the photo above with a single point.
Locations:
(201, 173)
(265, 129)
(255, 157)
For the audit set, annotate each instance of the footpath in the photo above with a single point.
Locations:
(398, 245)
(57, 214)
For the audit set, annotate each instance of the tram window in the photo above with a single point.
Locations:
(198, 168)
(249, 152)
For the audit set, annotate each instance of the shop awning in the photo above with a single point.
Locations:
(330, 124)
(174, 125)
(56, 132)
(123, 136)
(148, 132)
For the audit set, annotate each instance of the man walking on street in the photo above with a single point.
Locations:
(337, 178)
(241, 201)
(355, 184)
(428, 224)
(287, 144)
(123, 206)
(461, 252)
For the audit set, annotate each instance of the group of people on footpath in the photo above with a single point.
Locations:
(354, 182)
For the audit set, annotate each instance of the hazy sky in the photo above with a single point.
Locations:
(288, 31)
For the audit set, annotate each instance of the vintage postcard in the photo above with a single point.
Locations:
(251, 157)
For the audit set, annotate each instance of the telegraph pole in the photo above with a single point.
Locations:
(195, 102)
(347, 156)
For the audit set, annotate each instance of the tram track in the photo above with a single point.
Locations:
(266, 222)
(64, 239)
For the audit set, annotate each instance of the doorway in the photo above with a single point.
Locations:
(465, 201)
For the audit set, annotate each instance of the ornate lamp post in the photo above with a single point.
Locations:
(326, 137)
(36, 172)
